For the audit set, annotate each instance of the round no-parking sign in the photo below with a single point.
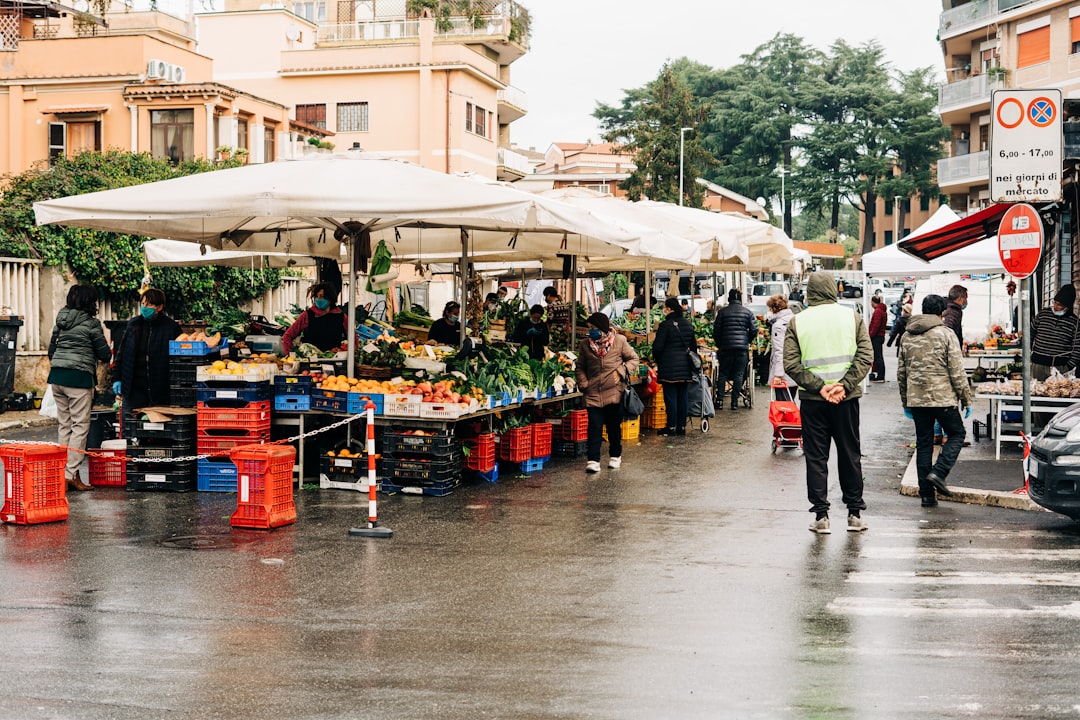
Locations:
(1020, 240)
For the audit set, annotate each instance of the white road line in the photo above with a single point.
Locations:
(936, 577)
(900, 607)
(968, 553)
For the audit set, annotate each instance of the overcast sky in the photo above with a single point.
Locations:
(584, 51)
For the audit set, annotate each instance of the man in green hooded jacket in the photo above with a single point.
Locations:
(827, 351)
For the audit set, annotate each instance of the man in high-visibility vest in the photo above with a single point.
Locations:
(827, 351)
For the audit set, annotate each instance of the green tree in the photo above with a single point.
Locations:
(648, 125)
(112, 262)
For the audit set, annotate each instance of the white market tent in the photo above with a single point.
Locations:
(177, 253)
(978, 258)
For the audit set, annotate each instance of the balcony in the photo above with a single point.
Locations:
(513, 104)
(511, 165)
(966, 95)
(961, 171)
(975, 14)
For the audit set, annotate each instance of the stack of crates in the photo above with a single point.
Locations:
(34, 484)
(264, 492)
(107, 464)
(571, 434)
(430, 463)
(231, 414)
(184, 361)
(515, 445)
(631, 429)
(152, 447)
(655, 416)
(292, 393)
(541, 447)
(481, 457)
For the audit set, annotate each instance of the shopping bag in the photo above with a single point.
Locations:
(632, 406)
(48, 404)
(695, 360)
(700, 397)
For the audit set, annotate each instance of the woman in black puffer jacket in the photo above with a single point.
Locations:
(674, 338)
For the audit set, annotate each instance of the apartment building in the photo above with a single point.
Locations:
(1007, 44)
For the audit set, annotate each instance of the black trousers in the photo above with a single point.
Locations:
(953, 427)
(609, 416)
(878, 371)
(822, 425)
(676, 403)
(730, 365)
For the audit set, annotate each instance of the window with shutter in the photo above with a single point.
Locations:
(1034, 47)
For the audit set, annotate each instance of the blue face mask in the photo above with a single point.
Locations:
(452, 319)
(322, 303)
(147, 312)
(595, 334)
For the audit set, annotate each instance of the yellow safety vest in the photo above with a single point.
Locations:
(827, 340)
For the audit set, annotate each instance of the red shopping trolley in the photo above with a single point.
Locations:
(784, 416)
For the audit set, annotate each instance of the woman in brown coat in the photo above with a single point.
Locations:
(605, 362)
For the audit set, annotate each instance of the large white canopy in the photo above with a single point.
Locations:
(177, 253)
(890, 261)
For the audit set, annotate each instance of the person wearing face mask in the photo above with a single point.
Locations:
(533, 334)
(447, 330)
(953, 317)
(323, 325)
(491, 303)
(605, 363)
(141, 366)
(1053, 335)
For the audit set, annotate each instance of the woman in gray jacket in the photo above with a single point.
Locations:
(77, 343)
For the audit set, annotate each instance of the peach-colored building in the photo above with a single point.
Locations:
(262, 78)
(598, 167)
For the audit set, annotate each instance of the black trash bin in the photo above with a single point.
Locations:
(9, 332)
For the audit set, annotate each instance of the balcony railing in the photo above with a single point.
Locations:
(369, 31)
(514, 97)
(513, 161)
(971, 91)
(974, 14)
(964, 168)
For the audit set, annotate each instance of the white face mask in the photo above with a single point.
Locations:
(1059, 313)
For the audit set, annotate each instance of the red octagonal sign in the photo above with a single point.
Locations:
(1020, 240)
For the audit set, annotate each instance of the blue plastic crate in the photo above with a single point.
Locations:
(489, 476)
(533, 465)
(369, 333)
(216, 476)
(292, 385)
(347, 403)
(292, 403)
(195, 348)
(249, 391)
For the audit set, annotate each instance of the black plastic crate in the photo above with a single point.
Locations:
(422, 470)
(179, 431)
(292, 385)
(182, 395)
(135, 453)
(408, 486)
(179, 477)
(568, 448)
(397, 442)
(354, 466)
(183, 374)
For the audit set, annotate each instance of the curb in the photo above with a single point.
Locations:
(909, 485)
(32, 422)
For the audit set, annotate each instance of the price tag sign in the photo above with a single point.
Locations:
(1026, 146)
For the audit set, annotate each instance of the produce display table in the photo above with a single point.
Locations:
(1001, 404)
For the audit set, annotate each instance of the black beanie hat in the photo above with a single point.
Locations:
(1066, 296)
(599, 321)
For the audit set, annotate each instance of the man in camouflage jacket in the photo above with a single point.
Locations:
(932, 384)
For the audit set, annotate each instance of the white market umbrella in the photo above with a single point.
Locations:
(890, 261)
(177, 253)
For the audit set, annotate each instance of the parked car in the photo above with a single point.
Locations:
(1054, 464)
(762, 291)
(618, 308)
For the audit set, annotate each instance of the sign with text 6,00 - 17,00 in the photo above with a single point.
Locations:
(1025, 146)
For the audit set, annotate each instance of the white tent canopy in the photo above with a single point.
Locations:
(177, 253)
(890, 261)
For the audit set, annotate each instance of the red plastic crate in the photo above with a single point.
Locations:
(541, 439)
(108, 468)
(264, 478)
(253, 417)
(219, 443)
(481, 453)
(34, 485)
(516, 445)
(575, 426)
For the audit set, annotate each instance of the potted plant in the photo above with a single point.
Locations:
(224, 152)
(997, 73)
(242, 155)
(326, 145)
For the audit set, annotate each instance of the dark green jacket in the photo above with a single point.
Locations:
(78, 342)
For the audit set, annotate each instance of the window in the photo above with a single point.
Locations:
(172, 134)
(924, 203)
(888, 237)
(269, 152)
(907, 205)
(1034, 47)
(476, 119)
(312, 115)
(888, 207)
(73, 136)
(1074, 31)
(312, 11)
(242, 133)
(352, 117)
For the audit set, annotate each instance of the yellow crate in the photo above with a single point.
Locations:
(631, 429)
(654, 417)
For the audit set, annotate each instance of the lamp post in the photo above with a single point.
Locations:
(896, 218)
(682, 145)
(783, 194)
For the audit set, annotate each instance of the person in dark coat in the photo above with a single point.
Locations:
(953, 318)
(879, 319)
(141, 366)
(77, 343)
(324, 324)
(671, 350)
(533, 333)
(735, 328)
(900, 326)
(1054, 335)
(447, 329)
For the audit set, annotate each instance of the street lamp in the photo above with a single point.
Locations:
(783, 191)
(682, 145)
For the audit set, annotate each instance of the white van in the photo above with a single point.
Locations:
(762, 291)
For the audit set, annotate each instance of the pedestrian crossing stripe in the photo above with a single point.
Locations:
(945, 577)
(951, 607)
(968, 553)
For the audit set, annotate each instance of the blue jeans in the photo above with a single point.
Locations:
(953, 427)
(676, 403)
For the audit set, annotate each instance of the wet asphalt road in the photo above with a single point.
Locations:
(684, 585)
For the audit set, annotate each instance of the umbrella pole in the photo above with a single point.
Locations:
(464, 272)
(573, 300)
(350, 336)
(648, 301)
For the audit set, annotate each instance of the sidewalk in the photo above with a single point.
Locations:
(23, 419)
(979, 479)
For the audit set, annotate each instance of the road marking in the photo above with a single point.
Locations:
(968, 553)
(938, 577)
(899, 607)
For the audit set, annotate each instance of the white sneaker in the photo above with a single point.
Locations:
(593, 466)
(821, 527)
(614, 463)
(856, 524)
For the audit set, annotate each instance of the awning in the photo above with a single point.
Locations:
(74, 109)
(954, 236)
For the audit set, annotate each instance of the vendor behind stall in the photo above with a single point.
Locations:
(533, 334)
(323, 325)
(447, 329)
(1053, 334)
